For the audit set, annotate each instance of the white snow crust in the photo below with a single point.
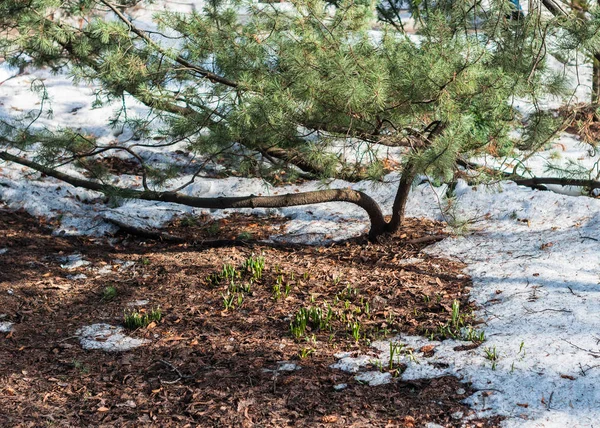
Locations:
(535, 264)
(534, 258)
(5, 326)
(107, 338)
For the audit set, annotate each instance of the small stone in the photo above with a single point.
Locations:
(460, 391)
(340, 386)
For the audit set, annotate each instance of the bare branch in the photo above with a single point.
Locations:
(290, 199)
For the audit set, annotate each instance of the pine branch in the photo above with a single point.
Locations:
(215, 78)
(537, 181)
(533, 182)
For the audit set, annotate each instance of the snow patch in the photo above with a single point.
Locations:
(533, 257)
(107, 338)
(283, 366)
(351, 364)
(374, 378)
(142, 302)
(5, 326)
(73, 262)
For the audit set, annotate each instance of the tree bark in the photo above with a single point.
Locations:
(534, 182)
(555, 9)
(378, 224)
(595, 80)
(538, 181)
(399, 208)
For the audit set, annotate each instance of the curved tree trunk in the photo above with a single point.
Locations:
(595, 80)
(378, 224)
(399, 207)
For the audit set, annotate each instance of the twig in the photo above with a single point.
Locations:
(489, 389)
(593, 353)
(549, 400)
(68, 338)
(584, 372)
(176, 370)
(531, 311)
(431, 238)
(22, 73)
(145, 233)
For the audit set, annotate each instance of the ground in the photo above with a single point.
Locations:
(205, 365)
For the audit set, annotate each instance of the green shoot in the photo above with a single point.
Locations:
(133, 320)
(109, 293)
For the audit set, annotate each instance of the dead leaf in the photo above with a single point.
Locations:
(427, 350)
(409, 421)
(175, 338)
(151, 325)
(330, 419)
(103, 409)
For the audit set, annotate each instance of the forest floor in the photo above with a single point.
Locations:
(203, 364)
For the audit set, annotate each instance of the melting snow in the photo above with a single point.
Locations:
(534, 258)
(374, 378)
(5, 326)
(107, 338)
(350, 364)
(283, 366)
(73, 262)
(142, 302)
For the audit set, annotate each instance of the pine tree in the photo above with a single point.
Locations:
(275, 88)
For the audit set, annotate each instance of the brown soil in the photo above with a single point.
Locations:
(205, 366)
